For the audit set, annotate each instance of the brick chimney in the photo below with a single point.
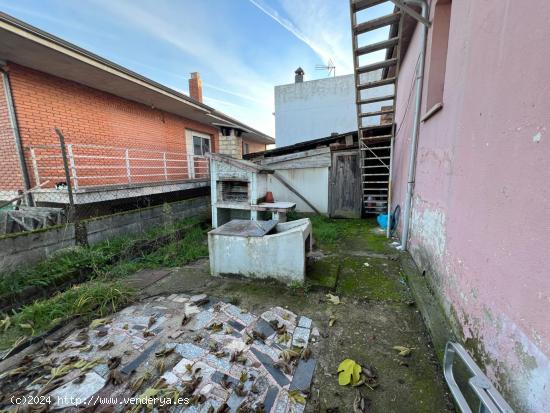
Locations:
(195, 86)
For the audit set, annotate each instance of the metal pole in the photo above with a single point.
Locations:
(416, 127)
(165, 169)
(128, 171)
(35, 166)
(17, 135)
(73, 165)
(66, 167)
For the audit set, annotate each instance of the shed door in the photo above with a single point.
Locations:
(345, 185)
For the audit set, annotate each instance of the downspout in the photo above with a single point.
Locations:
(416, 125)
(16, 134)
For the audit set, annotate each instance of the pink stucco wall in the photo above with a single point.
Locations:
(481, 209)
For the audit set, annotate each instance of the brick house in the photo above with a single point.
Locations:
(126, 136)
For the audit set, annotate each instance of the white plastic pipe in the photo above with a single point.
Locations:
(416, 125)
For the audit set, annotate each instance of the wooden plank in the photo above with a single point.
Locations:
(384, 44)
(376, 23)
(345, 188)
(359, 5)
(296, 155)
(377, 66)
(376, 99)
(282, 180)
(376, 83)
(376, 113)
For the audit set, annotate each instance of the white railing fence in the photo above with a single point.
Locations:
(94, 165)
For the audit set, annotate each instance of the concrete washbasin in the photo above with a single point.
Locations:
(261, 249)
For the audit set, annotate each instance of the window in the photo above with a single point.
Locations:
(438, 53)
(246, 148)
(201, 146)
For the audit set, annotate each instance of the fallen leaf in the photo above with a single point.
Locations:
(334, 299)
(403, 351)
(360, 404)
(106, 346)
(331, 320)
(349, 372)
(115, 377)
(296, 397)
(244, 376)
(215, 327)
(114, 362)
(98, 322)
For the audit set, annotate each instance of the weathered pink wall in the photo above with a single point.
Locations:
(481, 210)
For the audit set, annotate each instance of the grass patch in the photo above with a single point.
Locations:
(98, 258)
(88, 300)
(380, 280)
(103, 294)
(175, 254)
(337, 235)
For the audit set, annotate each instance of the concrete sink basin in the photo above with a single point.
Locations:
(261, 249)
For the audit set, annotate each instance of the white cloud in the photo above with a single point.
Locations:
(325, 29)
(192, 35)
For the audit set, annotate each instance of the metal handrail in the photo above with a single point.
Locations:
(490, 400)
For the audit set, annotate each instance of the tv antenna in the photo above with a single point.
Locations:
(328, 67)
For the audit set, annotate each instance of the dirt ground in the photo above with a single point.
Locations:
(376, 313)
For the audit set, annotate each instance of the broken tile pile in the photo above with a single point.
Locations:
(219, 356)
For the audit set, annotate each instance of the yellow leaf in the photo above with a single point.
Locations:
(403, 351)
(349, 372)
(334, 299)
(297, 397)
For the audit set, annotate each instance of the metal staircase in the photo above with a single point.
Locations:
(376, 65)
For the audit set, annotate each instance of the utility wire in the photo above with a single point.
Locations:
(410, 94)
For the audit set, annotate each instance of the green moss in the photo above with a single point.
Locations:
(323, 272)
(375, 282)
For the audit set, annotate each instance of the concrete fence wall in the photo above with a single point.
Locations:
(30, 247)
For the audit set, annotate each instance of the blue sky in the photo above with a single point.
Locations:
(242, 48)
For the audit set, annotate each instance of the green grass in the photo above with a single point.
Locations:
(89, 300)
(103, 294)
(98, 257)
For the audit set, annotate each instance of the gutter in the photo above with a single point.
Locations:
(52, 42)
(416, 126)
(16, 135)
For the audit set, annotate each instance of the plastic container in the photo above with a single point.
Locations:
(382, 220)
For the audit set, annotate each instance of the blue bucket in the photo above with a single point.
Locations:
(382, 220)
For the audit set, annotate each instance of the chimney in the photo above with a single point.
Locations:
(299, 75)
(195, 86)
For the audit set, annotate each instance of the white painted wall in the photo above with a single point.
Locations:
(314, 109)
(312, 183)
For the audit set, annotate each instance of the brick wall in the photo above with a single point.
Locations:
(10, 172)
(89, 116)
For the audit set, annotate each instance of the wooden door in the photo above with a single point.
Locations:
(345, 185)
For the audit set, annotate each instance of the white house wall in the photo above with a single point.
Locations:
(312, 183)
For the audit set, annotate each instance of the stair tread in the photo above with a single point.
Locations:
(377, 23)
(376, 83)
(376, 99)
(369, 48)
(377, 66)
(359, 5)
(376, 113)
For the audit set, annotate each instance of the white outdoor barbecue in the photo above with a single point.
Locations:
(238, 190)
